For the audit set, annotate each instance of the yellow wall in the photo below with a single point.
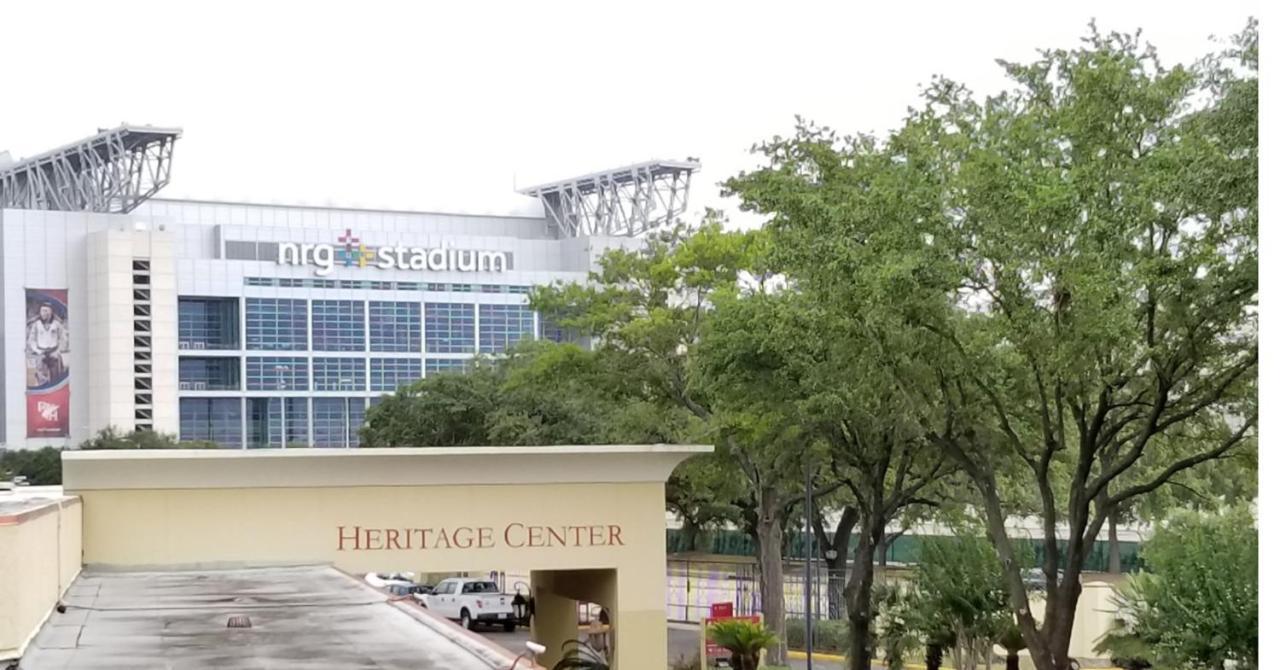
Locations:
(39, 557)
(554, 512)
(1095, 615)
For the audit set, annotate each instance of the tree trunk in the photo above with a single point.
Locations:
(769, 540)
(838, 563)
(1011, 662)
(933, 656)
(1060, 621)
(689, 536)
(1113, 544)
(858, 599)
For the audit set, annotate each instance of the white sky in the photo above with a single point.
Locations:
(411, 106)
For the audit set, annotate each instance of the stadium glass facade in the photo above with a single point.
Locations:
(269, 326)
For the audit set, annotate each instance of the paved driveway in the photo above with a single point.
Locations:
(682, 640)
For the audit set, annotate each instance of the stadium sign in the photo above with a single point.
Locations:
(350, 252)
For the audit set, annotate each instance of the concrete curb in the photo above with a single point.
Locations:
(799, 654)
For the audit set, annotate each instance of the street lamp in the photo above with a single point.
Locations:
(808, 565)
(283, 384)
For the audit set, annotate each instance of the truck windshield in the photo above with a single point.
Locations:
(480, 587)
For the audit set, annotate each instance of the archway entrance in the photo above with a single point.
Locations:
(586, 523)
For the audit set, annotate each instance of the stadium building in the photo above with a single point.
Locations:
(257, 325)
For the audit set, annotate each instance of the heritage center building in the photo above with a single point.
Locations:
(255, 325)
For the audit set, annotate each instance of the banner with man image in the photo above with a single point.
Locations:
(46, 348)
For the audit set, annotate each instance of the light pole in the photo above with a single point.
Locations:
(808, 566)
(283, 384)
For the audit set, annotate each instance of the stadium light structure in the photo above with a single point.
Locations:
(626, 201)
(111, 172)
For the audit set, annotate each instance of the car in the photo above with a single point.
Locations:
(471, 602)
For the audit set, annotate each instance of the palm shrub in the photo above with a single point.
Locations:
(895, 623)
(578, 655)
(744, 640)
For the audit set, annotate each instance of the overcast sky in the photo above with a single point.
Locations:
(411, 106)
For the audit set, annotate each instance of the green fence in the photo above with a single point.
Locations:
(905, 549)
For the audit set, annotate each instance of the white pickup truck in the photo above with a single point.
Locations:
(470, 602)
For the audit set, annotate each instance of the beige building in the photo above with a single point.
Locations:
(587, 523)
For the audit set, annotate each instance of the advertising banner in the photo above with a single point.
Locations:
(46, 346)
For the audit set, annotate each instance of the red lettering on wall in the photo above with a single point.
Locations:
(515, 535)
(343, 537)
(466, 539)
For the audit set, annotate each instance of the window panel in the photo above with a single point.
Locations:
(395, 326)
(436, 366)
(208, 323)
(388, 374)
(336, 422)
(451, 328)
(264, 422)
(276, 324)
(276, 373)
(503, 325)
(211, 420)
(338, 374)
(337, 325)
(208, 374)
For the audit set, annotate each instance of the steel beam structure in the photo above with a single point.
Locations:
(112, 172)
(627, 201)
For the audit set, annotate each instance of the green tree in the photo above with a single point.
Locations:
(776, 356)
(41, 467)
(1198, 605)
(648, 310)
(446, 410)
(1062, 278)
(960, 580)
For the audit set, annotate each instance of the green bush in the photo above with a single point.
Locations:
(830, 636)
(111, 438)
(41, 467)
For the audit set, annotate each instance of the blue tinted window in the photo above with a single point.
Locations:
(210, 419)
(208, 374)
(451, 328)
(503, 325)
(336, 422)
(337, 325)
(438, 365)
(395, 326)
(338, 374)
(276, 324)
(388, 374)
(208, 323)
(264, 422)
(276, 373)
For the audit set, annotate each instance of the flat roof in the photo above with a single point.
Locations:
(84, 471)
(24, 502)
(302, 617)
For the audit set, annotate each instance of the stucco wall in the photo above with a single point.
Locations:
(421, 510)
(39, 557)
